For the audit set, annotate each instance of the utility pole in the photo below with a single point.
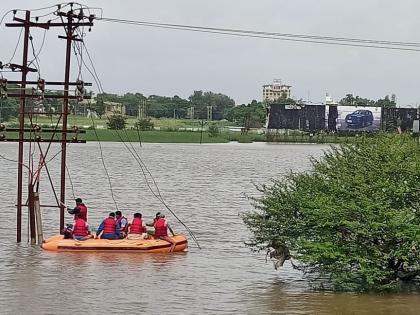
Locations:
(142, 110)
(35, 130)
(192, 112)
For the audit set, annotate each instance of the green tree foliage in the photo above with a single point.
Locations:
(283, 100)
(251, 115)
(99, 107)
(354, 218)
(8, 108)
(213, 130)
(386, 102)
(219, 102)
(168, 107)
(144, 124)
(351, 100)
(117, 122)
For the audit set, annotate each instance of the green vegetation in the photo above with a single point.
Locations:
(117, 122)
(351, 100)
(153, 136)
(144, 124)
(172, 107)
(213, 130)
(353, 219)
(251, 116)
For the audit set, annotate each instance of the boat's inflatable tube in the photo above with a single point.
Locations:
(58, 243)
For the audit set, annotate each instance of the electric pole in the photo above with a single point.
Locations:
(71, 21)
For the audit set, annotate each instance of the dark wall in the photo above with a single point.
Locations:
(312, 117)
(305, 117)
(398, 117)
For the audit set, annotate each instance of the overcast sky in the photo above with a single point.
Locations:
(169, 62)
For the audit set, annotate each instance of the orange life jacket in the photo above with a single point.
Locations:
(83, 211)
(80, 228)
(161, 227)
(109, 226)
(136, 226)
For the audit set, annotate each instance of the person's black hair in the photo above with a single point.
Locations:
(112, 214)
(79, 200)
(137, 215)
(118, 212)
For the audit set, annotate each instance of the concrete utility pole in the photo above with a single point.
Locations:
(192, 112)
(33, 133)
(210, 112)
(142, 110)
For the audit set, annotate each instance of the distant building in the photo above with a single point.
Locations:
(274, 91)
(330, 101)
(113, 107)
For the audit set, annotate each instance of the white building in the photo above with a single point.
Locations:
(329, 100)
(272, 92)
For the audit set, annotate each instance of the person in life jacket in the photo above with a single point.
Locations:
(137, 228)
(161, 230)
(67, 231)
(80, 208)
(80, 229)
(109, 228)
(122, 223)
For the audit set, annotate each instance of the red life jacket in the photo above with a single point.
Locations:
(109, 226)
(125, 228)
(136, 226)
(80, 228)
(161, 227)
(83, 211)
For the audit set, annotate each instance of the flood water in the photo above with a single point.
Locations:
(206, 186)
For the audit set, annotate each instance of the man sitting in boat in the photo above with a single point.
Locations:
(80, 208)
(80, 229)
(137, 228)
(109, 228)
(122, 223)
(161, 230)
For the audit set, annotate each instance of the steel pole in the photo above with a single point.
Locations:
(65, 113)
(21, 128)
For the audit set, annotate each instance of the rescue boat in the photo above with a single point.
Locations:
(58, 243)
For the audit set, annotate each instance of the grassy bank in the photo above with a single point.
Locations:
(160, 136)
(153, 136)
(186, 131)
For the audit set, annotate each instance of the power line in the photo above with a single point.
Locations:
(133, 152)
(317, 39)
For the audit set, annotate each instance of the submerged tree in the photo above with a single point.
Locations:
(354, 218)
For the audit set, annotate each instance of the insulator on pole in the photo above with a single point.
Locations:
(80, 90)
(41, 88)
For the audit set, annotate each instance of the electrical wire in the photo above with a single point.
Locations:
(17, 45)
(135, 155)
(95, 77)
(329, 40)
(103, 163)
(35, 55)
(158, 195)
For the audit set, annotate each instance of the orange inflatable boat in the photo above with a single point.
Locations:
(58, 243)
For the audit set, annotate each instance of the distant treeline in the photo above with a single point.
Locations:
(199, 105)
